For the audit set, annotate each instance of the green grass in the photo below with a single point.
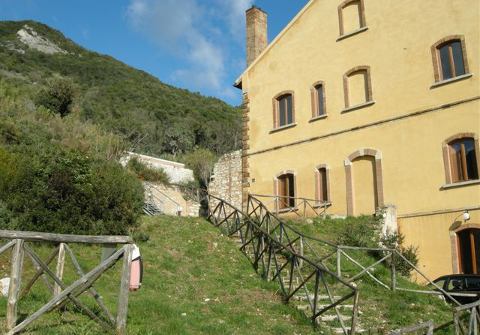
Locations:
(197, 282)
(380, 308)
(187, 261)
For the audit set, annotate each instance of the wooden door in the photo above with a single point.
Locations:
(469, 251)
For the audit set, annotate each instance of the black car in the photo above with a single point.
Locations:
(463, 288)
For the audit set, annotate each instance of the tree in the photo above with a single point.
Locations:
(58, 96)
(201, 161)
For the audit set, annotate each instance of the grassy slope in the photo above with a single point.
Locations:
(186, 262)
(379, 307)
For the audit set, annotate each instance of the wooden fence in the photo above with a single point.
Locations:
(20, 244)
(467, 319)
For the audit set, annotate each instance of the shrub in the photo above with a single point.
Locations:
(395, 241)
(201, 161)
(365, 232)
(57, 96)
(146, 173)
(53, 190)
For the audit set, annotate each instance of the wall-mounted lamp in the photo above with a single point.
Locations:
(466, 216)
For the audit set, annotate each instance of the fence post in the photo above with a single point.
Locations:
(124, 288)
(60, 267)
(339, 262)
(456, 321)
(15, 281)
(394, 273)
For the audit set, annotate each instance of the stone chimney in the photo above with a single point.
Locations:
(257, 39)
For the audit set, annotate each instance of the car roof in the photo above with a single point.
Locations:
(458, 276)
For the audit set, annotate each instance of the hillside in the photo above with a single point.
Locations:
(158, 118)
(198, 282)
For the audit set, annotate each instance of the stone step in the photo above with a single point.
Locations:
(340, 330)
(319, 307)
(303, 297)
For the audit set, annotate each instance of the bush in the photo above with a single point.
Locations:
(58, 96)
(53, 190)
(146, 173)
(365, 232)
(395, 241)
(201, 161)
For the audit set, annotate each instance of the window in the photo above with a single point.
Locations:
(283, 110)
(351, 17)
(318, 100)
(322, 194)
(357, 88)
(449, 58)
(456, 283)
(462, 159)
(286, 191)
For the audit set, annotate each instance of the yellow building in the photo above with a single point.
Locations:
(368, 103)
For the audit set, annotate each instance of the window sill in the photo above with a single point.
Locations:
(283, 128)
(352, 33)
(319, 117)
(451, 80)
(460, 184)
(365, 104)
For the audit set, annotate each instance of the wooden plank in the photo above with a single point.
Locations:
(6, 247)
(39, 273)
(60, 267)
(124, 289)
(15, 282)
(62, 238)
(80, 285)
(92, 291)
(71, 296)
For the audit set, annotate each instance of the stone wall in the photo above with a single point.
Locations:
(170, 200)
(175, 171)
(226, 182)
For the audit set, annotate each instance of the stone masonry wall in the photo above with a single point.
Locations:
(226, 182)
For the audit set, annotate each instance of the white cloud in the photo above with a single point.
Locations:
(189, 29)
(235, 15)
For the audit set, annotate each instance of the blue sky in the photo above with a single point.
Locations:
(194, 44)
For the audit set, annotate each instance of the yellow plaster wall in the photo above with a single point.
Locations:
(433, 233)
(412, 162)
(397, 47)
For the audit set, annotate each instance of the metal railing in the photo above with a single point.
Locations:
(149, 187)
(22, 244)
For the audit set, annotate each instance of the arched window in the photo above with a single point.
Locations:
(285, 190)
(461, 159)
(318, 100)
(450, 58)
(351, 16)
(322, 184)
(357, 87)
(283, 106)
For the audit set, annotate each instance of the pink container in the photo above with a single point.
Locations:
(136, 270)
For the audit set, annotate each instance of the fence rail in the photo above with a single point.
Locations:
(21, 244)
(277, 256)
(467, 319)
(296, 205)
